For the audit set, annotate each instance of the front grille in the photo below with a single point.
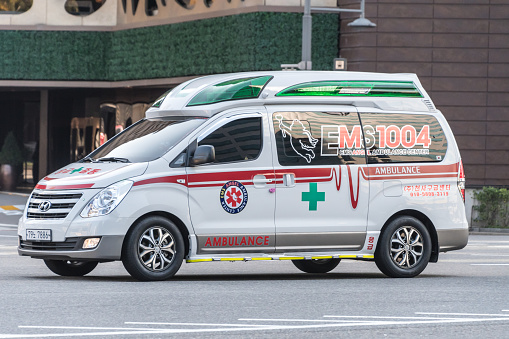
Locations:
(55, 206)
(61, 205)
(56, 196)
(46, 215)
(68, 245)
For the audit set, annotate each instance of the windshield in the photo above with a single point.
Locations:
(146, 140)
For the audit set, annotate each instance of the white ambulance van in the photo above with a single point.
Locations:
(312, 167)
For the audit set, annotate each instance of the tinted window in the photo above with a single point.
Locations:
(403, 138)
(237, 140)
(147, 140)
(318, 138)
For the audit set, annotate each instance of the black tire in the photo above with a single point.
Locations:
(153, 249)
(404, 248)
(70, 268)
(316, 265)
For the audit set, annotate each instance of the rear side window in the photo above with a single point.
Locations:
(403, 138)
(318, 138)
(238, 140)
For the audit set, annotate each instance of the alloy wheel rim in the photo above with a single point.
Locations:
(156, 249)
(407, 247)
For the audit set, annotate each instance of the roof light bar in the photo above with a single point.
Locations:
(404, 89)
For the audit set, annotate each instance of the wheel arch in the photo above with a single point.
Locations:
(429, 226)
(173, 218)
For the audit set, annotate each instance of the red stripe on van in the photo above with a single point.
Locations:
(168, 180)
(412, 171)
(306, 175)
(63, 187)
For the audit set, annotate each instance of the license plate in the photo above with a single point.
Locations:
(39, 235)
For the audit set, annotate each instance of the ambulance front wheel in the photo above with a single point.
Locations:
(404, 248)
(153, 249)
(316, 265)
(69, 268)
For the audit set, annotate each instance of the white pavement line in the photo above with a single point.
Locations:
(489, 264)
(90, 328)
(309, 320)
(268, 328)
(487, 241)
(467, 314)
(8, 236)
(79, 334)
(9, 225)
(381, 317)
(485, 254)
(189, 324)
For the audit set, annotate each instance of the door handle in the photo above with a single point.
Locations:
(261, 181)
(289, 179)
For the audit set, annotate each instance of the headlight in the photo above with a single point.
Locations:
(105, 201)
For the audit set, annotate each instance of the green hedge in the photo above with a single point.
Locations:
(246, 42)
(492, 207)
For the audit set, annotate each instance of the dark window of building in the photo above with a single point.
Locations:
(83, 7)
(151, 8)
(238, 140)
(15, 6)
(318, 138)
(403, 138)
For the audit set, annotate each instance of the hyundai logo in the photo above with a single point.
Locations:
(44, 206)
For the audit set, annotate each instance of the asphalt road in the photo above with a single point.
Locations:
(464, 295)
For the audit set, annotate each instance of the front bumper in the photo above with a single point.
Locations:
(109, 249)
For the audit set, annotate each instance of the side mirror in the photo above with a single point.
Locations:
(202, 155)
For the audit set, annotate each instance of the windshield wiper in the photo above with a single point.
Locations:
(88, 159)
(112, 159)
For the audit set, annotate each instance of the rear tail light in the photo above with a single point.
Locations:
(461, 180)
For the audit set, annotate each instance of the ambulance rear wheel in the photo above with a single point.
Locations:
(153, 249)
(69, 268)
(404, 248)
(316, 265)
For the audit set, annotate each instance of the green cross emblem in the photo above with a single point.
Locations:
(313, 196)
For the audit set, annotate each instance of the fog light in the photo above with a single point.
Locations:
(91, 243)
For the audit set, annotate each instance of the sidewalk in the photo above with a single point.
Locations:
(489, 231)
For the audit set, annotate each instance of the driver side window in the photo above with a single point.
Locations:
(239, 140)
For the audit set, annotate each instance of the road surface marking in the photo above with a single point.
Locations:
(379, 317)
(466, 314)
(12, 209)
(187, 324)
(489, 264)
(239, 328)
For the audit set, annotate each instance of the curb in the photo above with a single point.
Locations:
(489, 231)
(15, 193)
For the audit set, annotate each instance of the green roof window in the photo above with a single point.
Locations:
(402, 89)
(160, 100)
(245, 88)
